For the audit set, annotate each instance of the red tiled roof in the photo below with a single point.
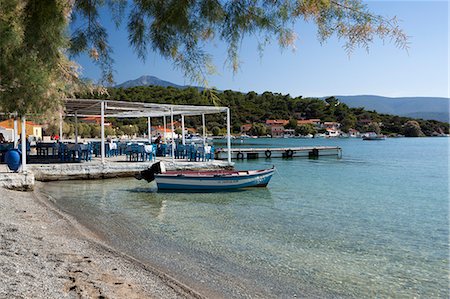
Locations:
(272, 122)
(307, 121)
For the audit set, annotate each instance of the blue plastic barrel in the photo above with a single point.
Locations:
(13, 159)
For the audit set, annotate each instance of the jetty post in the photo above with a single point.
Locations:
(76, 127)
(102, 117)
(182, 130)
(204, 129)
(165, 128)
(24, 145)
(60, 126)
(173, 139)
(229, 135)
(149, 126)
(16, 130)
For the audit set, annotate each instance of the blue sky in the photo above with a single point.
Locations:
(314, 69)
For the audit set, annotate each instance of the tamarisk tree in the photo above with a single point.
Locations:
(35, 43)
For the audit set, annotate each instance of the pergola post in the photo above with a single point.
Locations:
(16, 131)
(24, 145)
(173, 139)
(102, 118)
(165, 126)
(204, 129)
(228, 135)
(182, 130)
(76, 127)
(60, 126)
(149, 125)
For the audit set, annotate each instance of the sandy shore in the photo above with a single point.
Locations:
(44, 253)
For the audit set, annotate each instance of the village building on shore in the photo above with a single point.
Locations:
(31, 129)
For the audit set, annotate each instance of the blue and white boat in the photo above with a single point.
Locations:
(373, 136)
(209, 180)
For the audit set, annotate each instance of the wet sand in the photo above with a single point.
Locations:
(45, 253)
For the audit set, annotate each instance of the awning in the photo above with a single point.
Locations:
(123, 109)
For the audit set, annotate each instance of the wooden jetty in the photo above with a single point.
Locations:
(279, 152)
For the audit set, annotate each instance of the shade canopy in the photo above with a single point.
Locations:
(122, 109)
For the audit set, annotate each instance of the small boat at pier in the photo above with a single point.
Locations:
(205, 180)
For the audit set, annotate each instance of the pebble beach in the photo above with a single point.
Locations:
(45, 253)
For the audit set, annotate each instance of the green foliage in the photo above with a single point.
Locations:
(84, 130)
(305, 130)
(373, 127)
(35, 74)
(256, 108)
(109, 131)
(129, 130)
(51, 129)
(68, 129)
(178, 131)
(96, 131)
(292, 124)
(412, 129)
(258, 130)
(34, 43)
(180, 30)
(215, 131)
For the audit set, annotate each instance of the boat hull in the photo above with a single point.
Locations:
(374, 138)
(213, 182)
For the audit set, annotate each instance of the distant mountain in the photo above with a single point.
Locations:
(415, 107)
(152, 80)
(147, 81)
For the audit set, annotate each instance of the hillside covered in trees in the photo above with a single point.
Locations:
(257, 108)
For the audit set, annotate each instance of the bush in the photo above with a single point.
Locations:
(215, 131)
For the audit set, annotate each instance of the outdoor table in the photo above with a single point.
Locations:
(45, 148)
(75, 152)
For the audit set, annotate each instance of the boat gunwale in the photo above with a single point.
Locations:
(215, 174)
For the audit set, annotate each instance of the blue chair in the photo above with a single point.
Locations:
(162, 150)
(210, 156)
(86, 152)
(121, 147)
(115, 151)
(191, 152)
(180, 152)
(63, 152)
(200, 155)
(96, 148)
(150, 152)
(154, 152)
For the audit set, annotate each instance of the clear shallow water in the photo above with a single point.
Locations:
(372, 224)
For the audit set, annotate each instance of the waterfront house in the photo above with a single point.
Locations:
(332, 133)
(276, 126)
(331, 125)
(332, 128)
(276, 122)
(313, 121)
(159, 130)
(246, 128)
(31, 128)
(354, 133)
(277, 131)
(288, 133)
(8, 134)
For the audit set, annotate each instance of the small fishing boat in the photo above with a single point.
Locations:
(205, 180)
(373, 136)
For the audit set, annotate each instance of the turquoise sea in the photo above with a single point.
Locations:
(374, 223)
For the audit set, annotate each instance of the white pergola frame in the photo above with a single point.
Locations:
(123, 109)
